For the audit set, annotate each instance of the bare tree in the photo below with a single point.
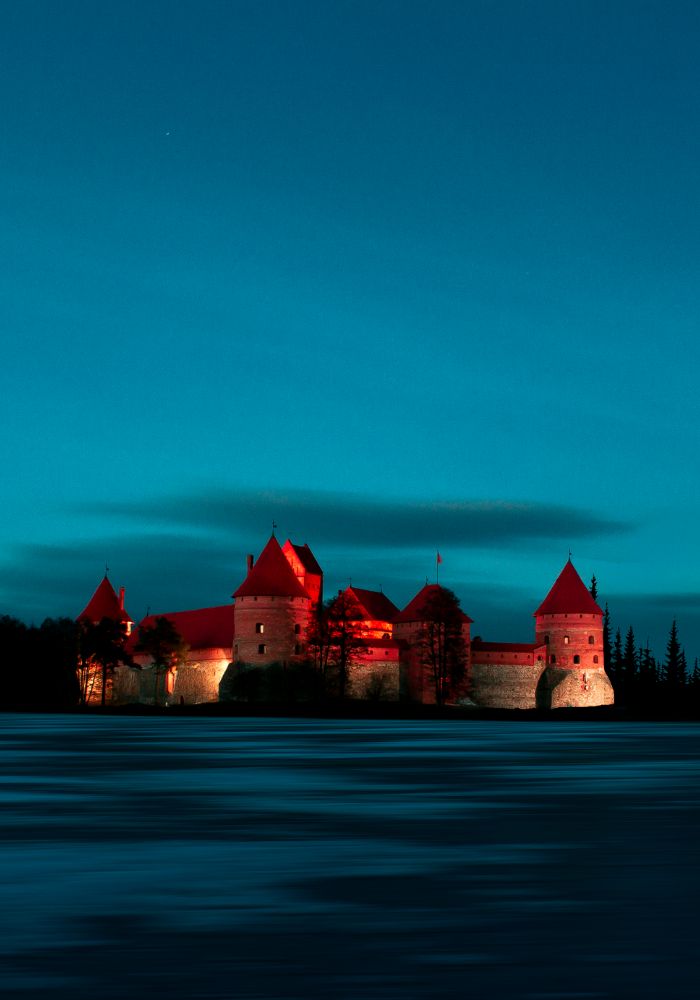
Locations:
(440, 646)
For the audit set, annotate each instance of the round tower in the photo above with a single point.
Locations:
(570, 624)
(271, 611)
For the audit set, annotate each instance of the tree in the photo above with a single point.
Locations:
(674, 665)
(334, 638)
(101, 650)
(166, 648)
(616, 661)
(607, 651)
(629, 661)
(440, 645)
(594, 588)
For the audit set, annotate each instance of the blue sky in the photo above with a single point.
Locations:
(401, 276)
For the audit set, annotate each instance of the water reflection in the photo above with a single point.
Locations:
(264, 858)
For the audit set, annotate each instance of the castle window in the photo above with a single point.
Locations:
(546, 640)
(577, 659)
(262, 648)
(297, 629)
(591, 640)
(552, 658)
(259, 628)
(566, 640)
(297, 648)
(595, 659)
(386, 636)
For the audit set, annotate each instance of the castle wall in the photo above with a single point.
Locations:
(284, 621)
(561, 688)
(375, 680)
(507, 675)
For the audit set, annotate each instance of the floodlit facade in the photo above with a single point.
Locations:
(272, 619)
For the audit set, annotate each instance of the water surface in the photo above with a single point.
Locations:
(261, 858)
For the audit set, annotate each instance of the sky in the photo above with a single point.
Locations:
(400, 276)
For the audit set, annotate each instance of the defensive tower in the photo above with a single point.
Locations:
(570, 624)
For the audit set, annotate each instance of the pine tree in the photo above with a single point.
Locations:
(594, 588)
(629, 661)
(616, 661)
(695, 676)
(607, 652)
(674, 664)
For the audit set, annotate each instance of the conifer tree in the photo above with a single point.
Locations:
(607, 652)
(674, 664)
(616, 661)
(629, 661)
(695, 676)
(594, 588)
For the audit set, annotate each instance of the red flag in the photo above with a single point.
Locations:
(439, 559)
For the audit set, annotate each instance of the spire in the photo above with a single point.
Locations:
(569, 595)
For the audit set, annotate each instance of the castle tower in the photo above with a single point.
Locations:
(271, 611)
(570, 624)
(104, 603)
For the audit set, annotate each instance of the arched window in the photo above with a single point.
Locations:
(259, 628)
(595, 659)
(297, 629)
(552, 658)
(577, 659)
(262, 648)
(591, 640)
(546, 640)
(566, 640)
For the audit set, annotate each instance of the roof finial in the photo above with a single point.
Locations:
(569, 555)
(106, 568)
(274, 525)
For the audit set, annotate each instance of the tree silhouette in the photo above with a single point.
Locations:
(101, 648)
(165, 646)
(674, 665)
(440, 644)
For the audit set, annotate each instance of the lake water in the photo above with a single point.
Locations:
(259, 858)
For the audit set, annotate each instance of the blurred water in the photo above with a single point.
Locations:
(182, 857)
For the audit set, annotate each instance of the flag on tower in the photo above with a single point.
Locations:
(439, 559)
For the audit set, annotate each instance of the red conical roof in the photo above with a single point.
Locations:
(569, 596)
(104, 603)
(271, 576)
(415, 610)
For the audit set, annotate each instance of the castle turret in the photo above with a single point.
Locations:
(570, 624)
(271, 611)
(104, 603)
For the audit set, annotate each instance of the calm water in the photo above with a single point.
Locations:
(269, 858)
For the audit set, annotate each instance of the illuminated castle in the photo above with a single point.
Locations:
(272, 612)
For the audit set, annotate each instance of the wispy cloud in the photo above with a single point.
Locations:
(350, 520)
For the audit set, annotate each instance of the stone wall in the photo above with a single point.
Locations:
(560, 688)
(506, 685)
(376, 680)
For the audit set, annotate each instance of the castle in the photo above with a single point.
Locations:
(271, 616)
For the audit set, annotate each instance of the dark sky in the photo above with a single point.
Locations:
(400, 275)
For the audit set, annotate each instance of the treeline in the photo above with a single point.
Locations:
(643, 681)
(38, 664)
